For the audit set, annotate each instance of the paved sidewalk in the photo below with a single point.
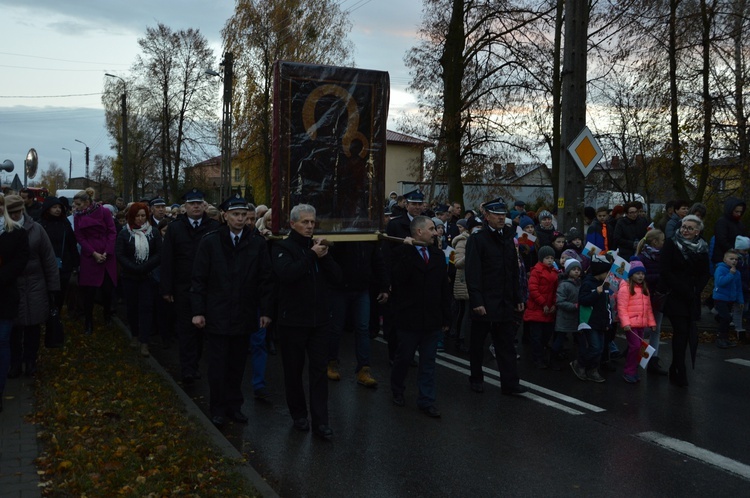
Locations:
(18, 441)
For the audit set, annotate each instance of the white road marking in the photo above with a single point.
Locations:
(738, 361)
(544, 390)
(684, 448)
(491, 379)
(531, 396)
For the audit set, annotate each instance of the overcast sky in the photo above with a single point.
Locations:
(63, 48)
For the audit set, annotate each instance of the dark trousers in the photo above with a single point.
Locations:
(389, 330)
(503, 334)
(409, 341)
(296, 344)
(227, 357)
(541, 333)
(89, 294)
(189, 337)
(139, 299)
(24, 344)
(682, 328)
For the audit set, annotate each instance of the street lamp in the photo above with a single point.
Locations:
(226, 125)
(70, 165)
(124, 108)
(87, 161)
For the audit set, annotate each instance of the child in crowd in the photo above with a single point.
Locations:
(596, 319)
(727, 294)
(742, 246)
(567, 309)
(540, 307)
(634, 310)
(598, 233)
(648, 252)
(558, 244)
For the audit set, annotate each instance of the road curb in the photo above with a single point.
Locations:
(214, 434)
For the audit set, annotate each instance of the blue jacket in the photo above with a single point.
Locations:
(727, 285)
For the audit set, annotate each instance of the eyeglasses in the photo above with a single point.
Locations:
(688, 229)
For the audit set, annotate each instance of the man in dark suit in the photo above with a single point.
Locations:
(304, 272)
(492, 280)
(231, 287)
(177, 257)
(398, 226)
(421, 302)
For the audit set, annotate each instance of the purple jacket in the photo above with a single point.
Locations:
(95, 232)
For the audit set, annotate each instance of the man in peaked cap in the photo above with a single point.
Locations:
(177, 257)
(231, 287)
(494, 295)
(158, 208)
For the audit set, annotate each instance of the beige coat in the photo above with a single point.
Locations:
(460, 291)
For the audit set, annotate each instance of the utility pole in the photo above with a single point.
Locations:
(126, 178)
(571, 186)
(226, 127)
(70, 166)
(87, 161)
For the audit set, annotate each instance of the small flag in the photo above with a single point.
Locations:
(620, 268)
(591, 250)
(646, 351)
(525, 237)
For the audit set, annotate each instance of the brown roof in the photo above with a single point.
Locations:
(396, 137)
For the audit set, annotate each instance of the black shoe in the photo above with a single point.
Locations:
(323, 431)
(430, 411)
(262, 393)
(678, 377)
(302, 424)
(218, 421)
(15, 371)
(654, 368)
(519, 389)
(477, 387)
(188, 380)
(398, 400)
(237, 416)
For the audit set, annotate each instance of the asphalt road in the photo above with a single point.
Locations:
(564, 438)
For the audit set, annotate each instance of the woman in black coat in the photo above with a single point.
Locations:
(63, 239)
(684, 274)
(138, 250)
(14, 254)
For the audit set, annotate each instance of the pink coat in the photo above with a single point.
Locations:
(542, 292)
(634, 311)
(95, 232)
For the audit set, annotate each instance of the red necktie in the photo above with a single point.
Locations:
(425, 256)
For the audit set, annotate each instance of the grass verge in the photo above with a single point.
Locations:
(111, 426)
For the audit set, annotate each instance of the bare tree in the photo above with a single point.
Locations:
(53, 177)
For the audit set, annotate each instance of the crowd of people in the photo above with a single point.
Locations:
(216, 279)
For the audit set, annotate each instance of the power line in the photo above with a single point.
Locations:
(51, 69)
(64, 60)
(48, 96)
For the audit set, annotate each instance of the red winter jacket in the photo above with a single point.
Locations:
(542, 292)
(634, 311)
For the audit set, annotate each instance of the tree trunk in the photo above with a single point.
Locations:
(707, 21)
(678, 174)
(452, 64)
(556, 93)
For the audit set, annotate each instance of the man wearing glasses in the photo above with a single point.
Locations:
(630, 229)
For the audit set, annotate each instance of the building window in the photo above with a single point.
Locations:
(236, 174)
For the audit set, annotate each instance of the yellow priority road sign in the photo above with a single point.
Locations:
(585, 151)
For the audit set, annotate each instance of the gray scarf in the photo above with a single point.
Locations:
(690, 248)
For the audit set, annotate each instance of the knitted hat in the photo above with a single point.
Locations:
(462, 222)
(636, 266)
(525, 221)
(742, 243)
(573, 234)
(571, 254)
(570, 264)
(545, 251)
(438, 222)
(599, 265)
(545, 214)
(513, 214)
(13, 203)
